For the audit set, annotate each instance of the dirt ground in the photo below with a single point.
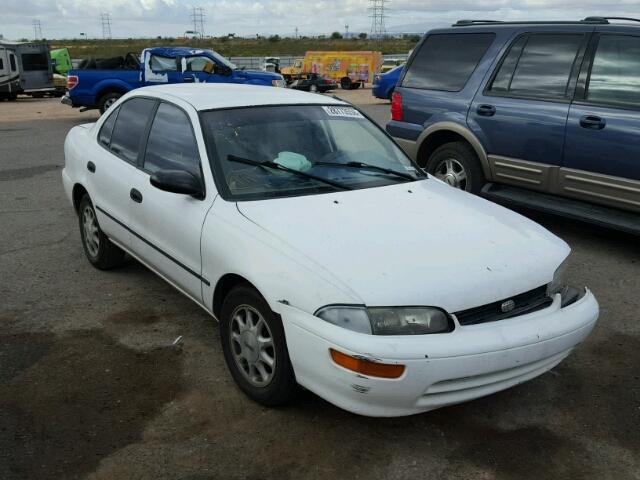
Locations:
(91, 386)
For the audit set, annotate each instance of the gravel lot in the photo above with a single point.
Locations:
(90, 386)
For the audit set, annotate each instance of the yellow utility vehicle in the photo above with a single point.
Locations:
(350, 69)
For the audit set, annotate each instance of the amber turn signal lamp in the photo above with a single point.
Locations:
(365, 367)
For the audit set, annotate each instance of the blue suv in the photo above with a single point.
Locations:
(539, 114)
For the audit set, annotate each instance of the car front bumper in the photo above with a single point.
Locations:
(443, 369)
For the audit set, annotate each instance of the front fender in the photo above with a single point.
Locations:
(231, 243)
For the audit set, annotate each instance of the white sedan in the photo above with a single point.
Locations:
(330, 260)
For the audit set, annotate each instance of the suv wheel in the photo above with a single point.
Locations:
(457, 165)
(255, 349)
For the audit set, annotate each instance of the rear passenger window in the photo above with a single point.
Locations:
(162, 64)
(130, 127)
(1, 64)
(104, 137)
(615, 74)
(171, 144)
(446, 61)
(538, 67)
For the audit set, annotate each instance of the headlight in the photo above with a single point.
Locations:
(559, 284)
(351, 318)
(388, 320)
(278, 83)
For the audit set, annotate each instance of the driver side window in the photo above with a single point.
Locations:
(200, 64)
(171, 144)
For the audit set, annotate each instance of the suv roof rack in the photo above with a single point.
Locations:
(606, 19)
(588, 20)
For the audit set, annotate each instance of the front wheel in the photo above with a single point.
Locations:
(345, 83)
(255, 348)
(456, 164)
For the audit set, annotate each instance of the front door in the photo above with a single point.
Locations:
(168, 225)
(201, 69)
(521, 114)
(602, 153)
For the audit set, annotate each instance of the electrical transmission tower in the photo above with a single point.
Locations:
(197, 18)
(37, 30)
(377, 12)
(105, 20)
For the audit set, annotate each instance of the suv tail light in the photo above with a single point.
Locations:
(72, 81)
(396, 107)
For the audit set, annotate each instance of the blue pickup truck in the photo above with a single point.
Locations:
(99, 83)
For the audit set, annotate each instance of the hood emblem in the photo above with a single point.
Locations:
(507, 306)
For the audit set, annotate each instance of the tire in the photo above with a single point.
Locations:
(268, 385)
(345, 83)
(456, 164)
(99, 250)
(107, 100)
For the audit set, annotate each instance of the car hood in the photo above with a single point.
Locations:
(259, 75)
(419, 243)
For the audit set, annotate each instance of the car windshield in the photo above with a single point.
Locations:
(335, 143)
(223, 60)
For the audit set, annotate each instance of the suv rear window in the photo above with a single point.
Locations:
(615, 74)
(538, 66)
(446, 61)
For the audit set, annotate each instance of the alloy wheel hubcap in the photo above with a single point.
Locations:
(452, 173)
(252, 345)
(90, 227)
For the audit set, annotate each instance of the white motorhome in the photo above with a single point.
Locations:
(25, 67)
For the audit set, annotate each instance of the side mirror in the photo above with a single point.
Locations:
(177, 181)
(223, 70)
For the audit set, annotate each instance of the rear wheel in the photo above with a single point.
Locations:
(97, 247)
(107, 100)
(255, 348)
(456, 164)
(345, 83)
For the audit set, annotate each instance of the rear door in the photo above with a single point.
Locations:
(602, 153)
(520, 115)
(160, 70)
(112, 165)
(36, 68)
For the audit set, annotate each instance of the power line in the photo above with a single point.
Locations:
(37, 30)
(197, 18)
(105, 20)
(377, 12)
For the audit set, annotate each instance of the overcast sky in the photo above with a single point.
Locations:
(144, 18)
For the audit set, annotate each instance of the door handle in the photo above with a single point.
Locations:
(188, 79)
(593, 122)
(135, 195)
(91, 166)
(486, 110)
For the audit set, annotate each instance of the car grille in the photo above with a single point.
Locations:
(526, 302)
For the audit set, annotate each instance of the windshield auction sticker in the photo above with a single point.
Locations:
(348, 112)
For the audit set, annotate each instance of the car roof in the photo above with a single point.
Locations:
(211, 96)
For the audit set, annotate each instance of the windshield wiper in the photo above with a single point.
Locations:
(390, 171)
(277, 166)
